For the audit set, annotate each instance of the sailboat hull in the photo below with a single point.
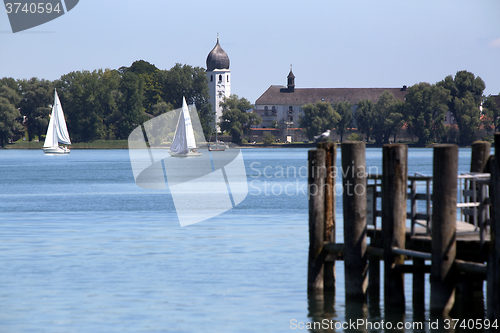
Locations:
(56, 150)
(189, 154)
(217, 147)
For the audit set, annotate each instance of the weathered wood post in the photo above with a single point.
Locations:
(479, 156)
(354, 197)
(316, 181)
(418, 291)
(493, 276)
(394, 189)
(330, 149)
(480, 153)
(444, 212)
(469, 291)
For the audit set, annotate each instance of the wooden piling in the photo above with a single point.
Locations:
(493, 275)
(466, 287)
(418, 292)
(373, 279)
(394, 188)
(479, 156)
(330, 149)
(445, 170)
(316, 181)
(354, 204)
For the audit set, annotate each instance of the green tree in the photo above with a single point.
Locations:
(152, 78)
(365, 117)
(388, 117)
(269, 139)
(161, 108)
(10, 82)
(466, 93)
(130, 104)
(37, 97)
(89, 100)
(139, 67)
(344, 109)
(235, 118)
(425, 108)
(189, 82)
(9, 114)
(318, 118)
(491, 111)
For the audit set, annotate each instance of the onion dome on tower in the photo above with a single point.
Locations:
(217, 58)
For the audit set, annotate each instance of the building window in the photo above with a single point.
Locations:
(220, 77)
(266, 108)
(227, 78)
(274, 108)
(211, 78)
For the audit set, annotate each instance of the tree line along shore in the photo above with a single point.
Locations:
(102, 108)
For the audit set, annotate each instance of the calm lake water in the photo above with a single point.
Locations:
(84, 249)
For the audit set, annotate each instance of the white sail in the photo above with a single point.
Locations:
(191, 142)
(57, 131)
(179, 144)
(51, 137)
(184, 134)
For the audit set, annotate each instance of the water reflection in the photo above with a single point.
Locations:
(326, 315)
(321, 311)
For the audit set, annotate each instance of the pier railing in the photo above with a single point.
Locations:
(475, 201)
(423, 219)
(473, 204)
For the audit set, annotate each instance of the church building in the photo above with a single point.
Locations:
(219, 78)
(280, 106)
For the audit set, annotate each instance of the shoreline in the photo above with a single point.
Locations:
(245, 146)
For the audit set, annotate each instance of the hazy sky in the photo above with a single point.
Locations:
(331, 43)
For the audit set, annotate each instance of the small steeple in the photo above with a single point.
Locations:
(291, 80)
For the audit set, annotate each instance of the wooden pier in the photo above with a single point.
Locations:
(459, 255)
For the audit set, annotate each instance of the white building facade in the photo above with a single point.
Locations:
(281, 106)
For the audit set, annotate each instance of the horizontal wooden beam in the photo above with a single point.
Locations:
(471, 267)
(412, 253)
(413, 269)
(334, 247)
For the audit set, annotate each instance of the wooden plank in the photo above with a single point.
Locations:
(465, 227)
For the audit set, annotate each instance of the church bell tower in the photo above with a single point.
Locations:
(219, 78)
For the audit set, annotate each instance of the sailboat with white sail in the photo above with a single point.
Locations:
(184, 143)
(57, 131)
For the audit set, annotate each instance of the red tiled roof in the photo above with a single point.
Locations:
(301, 96)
